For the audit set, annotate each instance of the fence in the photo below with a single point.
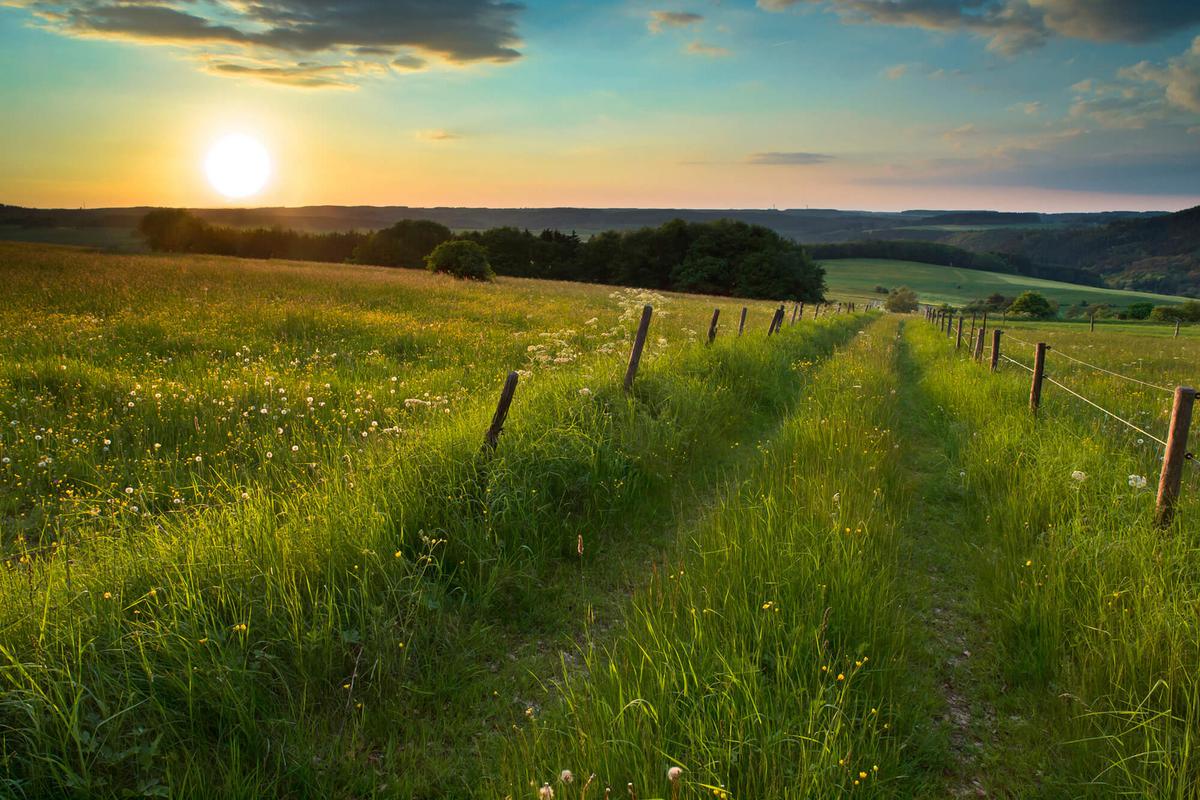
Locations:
(1184, 398)
(491, 437)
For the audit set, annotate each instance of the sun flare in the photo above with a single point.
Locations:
(238, 166)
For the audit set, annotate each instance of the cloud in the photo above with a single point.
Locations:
(1031, 108)
(956, 136)
(1011, 26)
(672, 19)
(301, 76)
(788, 159)
(438, 135)
(1118, 20)
(1144, 93)
(704, 49)
(1179, 79)
(298, 42)
(895, 72)
(409, 62)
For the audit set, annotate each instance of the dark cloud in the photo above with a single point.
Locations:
(790, 159)
(672, 19)
(292, 34)
(1118, 20)
(1014, 25)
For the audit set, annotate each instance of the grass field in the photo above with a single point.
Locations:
(858, 277)
(252, 547)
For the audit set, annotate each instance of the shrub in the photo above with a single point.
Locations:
(1184, 312)
(462, 259)
(901, 300)
(881, 289)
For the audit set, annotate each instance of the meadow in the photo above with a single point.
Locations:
(858, 277)
(252, 546)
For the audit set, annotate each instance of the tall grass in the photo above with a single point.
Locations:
(1094, 610)
(342, 627)
(765, 656)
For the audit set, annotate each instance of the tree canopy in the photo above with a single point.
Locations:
(1033, 305)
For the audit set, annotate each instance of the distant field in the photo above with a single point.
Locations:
(119, 239)
(938, 284)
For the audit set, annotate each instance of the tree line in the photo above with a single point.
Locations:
(723, 257)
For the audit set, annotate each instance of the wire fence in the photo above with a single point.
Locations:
(1172, 446)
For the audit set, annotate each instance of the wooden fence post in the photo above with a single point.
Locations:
(958, 340)
(506, 396)
(1172, 468)
(1039, 369)
(712, 326)
(795, 311)
(1092, 322)
(800, 316)
(776, 321)
(1176, 329)
(742, 324)
(971, 337)
(995, 348)
(979, 346)
(639, 341)
(950, 325)
(984, 328)
(839, 308)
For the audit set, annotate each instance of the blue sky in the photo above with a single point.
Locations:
(886, 104)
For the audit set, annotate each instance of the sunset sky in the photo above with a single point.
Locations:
(879, 104)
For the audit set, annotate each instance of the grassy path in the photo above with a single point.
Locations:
(988, 747)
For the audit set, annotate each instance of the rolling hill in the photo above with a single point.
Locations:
(858, 277)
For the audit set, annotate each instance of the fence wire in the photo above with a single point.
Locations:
(1120, 419)
(1056, 352)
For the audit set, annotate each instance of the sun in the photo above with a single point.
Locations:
(238, 166)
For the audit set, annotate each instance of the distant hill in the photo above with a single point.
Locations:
(1154, 254)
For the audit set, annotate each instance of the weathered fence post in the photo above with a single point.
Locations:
(950, 325)
(984, 328)
(639, 341)
(971, 337)
(1172, 468)
(776, 321)
(995, 349)
(839, 308)
(801, 314)
(1176, 329)
(742, 324)
(1039, 369)
(795, 311)
(979, 346)
(506, 396)
(958, 339)
(712, 326)
(1092, 322)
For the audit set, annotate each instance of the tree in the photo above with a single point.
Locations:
(173, 230)
(1184, 312)
(405, 244)
(1031, 304)
(1138, 311)
(901, 300)
(462, 259)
